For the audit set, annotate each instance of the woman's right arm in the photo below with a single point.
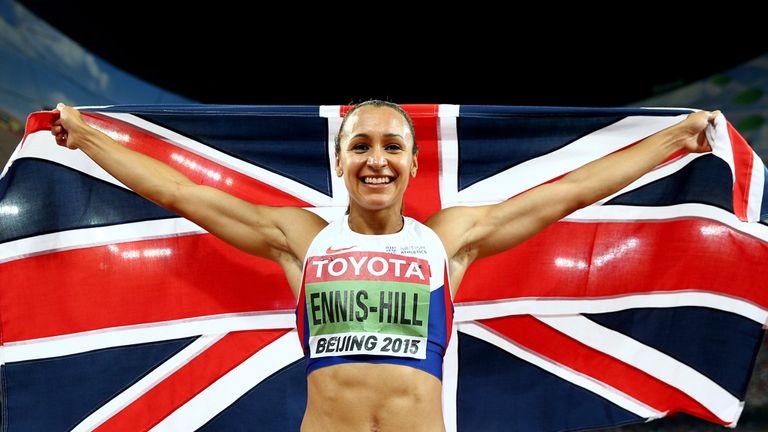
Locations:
(282, 234)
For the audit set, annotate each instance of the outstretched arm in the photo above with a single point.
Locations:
(474, 232)
(257, 229)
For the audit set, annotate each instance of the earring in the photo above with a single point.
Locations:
(339, 173)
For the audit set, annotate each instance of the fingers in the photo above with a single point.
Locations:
(62, 139)
(57, 127)
(710, 116)
(699, 120)
(65, 112)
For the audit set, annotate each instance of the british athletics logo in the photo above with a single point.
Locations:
(118, 315)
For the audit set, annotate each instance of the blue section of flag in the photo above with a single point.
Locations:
(499, 392)
(572, 112)
(46, 197)
(224, 110)
(275, 404)
(495, 138)
(706, 180)
(719, 344)
(490, 145)
(55, 394)
(294, 145)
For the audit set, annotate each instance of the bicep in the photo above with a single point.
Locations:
(509, 223)
(469, 233)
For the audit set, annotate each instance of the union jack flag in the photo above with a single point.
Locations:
(118, 315)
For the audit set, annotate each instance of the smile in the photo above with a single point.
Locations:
(376, 180)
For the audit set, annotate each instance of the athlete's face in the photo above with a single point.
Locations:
(376, 157)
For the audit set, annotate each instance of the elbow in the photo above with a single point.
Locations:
(167, 198)
(576, 196)
(583, 200)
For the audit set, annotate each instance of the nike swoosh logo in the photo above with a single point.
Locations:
(333, 251)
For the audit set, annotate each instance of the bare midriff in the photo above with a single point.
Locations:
(373, 397)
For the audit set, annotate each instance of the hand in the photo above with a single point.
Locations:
(68, 126)
(693, 131)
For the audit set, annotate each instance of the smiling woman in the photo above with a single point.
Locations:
(368, 139)
(375, 288)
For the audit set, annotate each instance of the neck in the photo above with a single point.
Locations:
(385, 221)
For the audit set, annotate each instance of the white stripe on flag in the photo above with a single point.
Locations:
(584, 381)
(448, 154)
(97, 236)
(656, 174)
(756, 185)
(536, 171)
(542, 306)
(143, 333)
(162, 228)
(622, 213)
(655, 363)
(41, 145)
(163, 371)
(332, 113)
(717, 135)
(229, 388)
(284, 184)
(115, 234)
(451, 381)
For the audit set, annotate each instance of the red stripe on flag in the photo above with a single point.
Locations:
(743, 161)
(588, 260)
(135, 283)
(191, 379)
(39, 121)
(197, 168)
(549, 343)
(422, 198)
(200, 275)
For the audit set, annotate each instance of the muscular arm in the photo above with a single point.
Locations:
(469, 233)
(256, 229)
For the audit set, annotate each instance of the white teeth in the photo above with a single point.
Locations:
(376, 180)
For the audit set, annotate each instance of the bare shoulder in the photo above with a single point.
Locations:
(300, 227)
(296, 220)
(297, 227)
(301, 216)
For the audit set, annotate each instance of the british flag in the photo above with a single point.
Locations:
(118, 315)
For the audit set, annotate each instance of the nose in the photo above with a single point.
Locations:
(377, 160)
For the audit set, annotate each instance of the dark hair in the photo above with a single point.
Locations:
(378, 104)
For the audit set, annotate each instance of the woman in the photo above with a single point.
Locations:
(374, 308)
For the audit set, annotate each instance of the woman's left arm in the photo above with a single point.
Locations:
(469, 233)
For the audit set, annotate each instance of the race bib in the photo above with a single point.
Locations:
(367, 303)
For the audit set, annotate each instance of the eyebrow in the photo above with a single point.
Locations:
(387, 135)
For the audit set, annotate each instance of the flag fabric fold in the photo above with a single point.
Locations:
(116, 314)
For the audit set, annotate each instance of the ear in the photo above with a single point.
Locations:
(339, 171)
(415, 165)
